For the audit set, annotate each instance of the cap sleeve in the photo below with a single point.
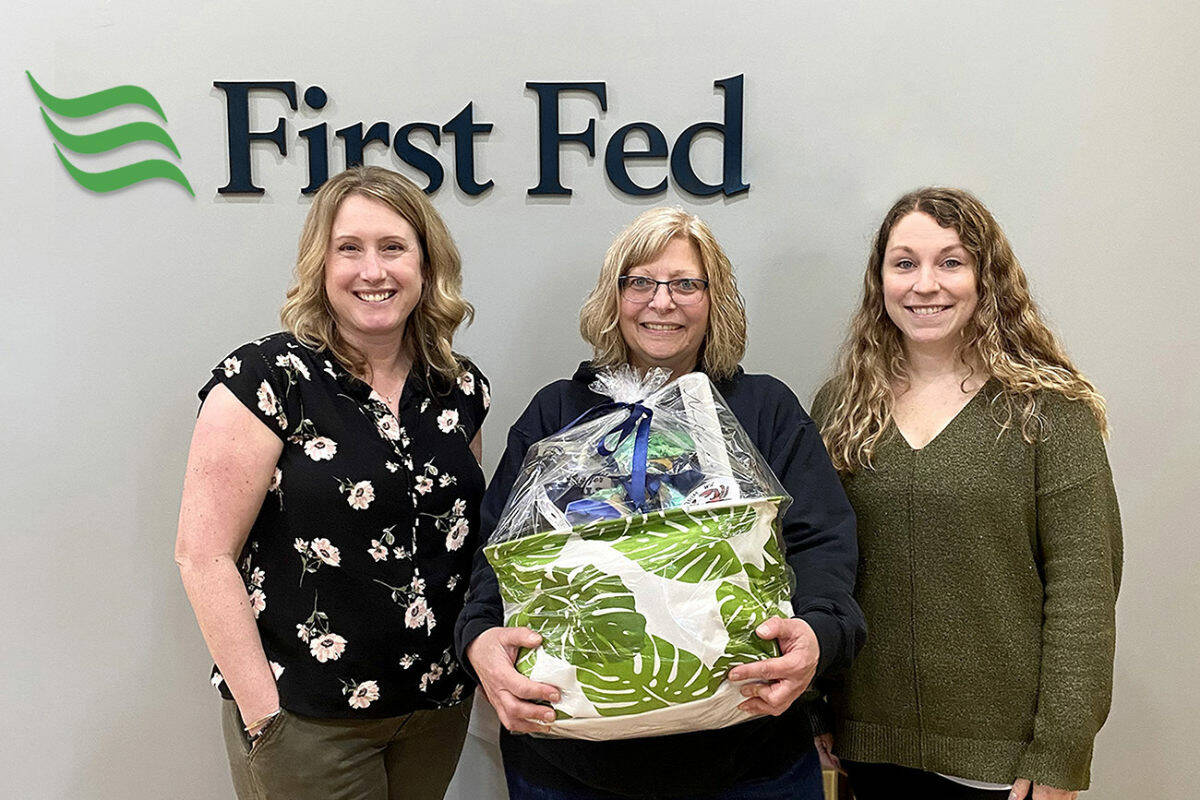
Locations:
(474, 397)
(261, 374)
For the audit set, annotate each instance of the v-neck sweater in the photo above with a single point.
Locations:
(988, 574)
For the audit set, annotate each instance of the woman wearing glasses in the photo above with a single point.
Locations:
(666, 297)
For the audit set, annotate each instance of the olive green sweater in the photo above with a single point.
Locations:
(988, 573)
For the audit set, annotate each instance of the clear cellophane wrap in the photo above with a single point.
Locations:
(642, 542)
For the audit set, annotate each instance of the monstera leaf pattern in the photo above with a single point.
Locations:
(772, 579)
(584, 615)
(742, 612)
(574, 588)
(658, 676)
(518, 563)
(682, 546)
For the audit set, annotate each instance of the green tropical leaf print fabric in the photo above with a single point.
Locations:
(642, 617)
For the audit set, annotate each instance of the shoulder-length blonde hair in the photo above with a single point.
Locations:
(1006, 335)
(429, 331)
(725, 341)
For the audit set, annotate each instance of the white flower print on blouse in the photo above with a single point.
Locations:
(435, 672)
(326, 552)
(457, 534)
(292, 365)
(257, 577)
(276, 669)
(459, 508)
(378, 548)
(419, 613)
(232, 366)
(466, 382)
(452, 581)
(446, 479)
(486, 393)
(391, 466)
(258, 602)
(321, 448)
(361, 694)
(359, 495)
(447, 421)
(217, 678)
(452, 524)
(388, 427)
(407, 660)
(269, 405)
(424, 485)
(266, 399)
(276, 480)
(323, 644)
(327, 647)
(316, 553)
(329, 369)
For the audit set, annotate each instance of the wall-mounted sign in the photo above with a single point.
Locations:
(110, 138)
(464, 130)
(413, 143)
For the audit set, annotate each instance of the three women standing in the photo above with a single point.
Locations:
(990, 543)
(330, 510)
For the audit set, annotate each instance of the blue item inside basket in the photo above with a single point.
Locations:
(589, 510)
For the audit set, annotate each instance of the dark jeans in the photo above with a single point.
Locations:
(887, 781)
(801, 782)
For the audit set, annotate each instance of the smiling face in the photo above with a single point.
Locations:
(662, 333)
(372, 270)
(929, 286)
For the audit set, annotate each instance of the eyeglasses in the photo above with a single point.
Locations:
(640, 289)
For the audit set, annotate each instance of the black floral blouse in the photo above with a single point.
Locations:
(358, 561)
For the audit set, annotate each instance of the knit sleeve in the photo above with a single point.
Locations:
(1079, 549)
(821, 403)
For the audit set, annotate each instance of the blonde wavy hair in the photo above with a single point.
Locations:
(429, 331)
(1006, 336)
(646, 237)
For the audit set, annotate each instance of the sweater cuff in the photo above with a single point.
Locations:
(829, 638)
(467, 634)
(1061, 764)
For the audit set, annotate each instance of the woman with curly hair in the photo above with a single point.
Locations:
(989, 537)
(331, 507)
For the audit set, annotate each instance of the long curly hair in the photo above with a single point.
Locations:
(1006, 336)
(431, 325)
(599, 319)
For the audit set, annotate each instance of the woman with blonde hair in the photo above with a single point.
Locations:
(666, 297)
(330, 510)
(989, 536)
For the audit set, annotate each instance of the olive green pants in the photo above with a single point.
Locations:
(411, 757)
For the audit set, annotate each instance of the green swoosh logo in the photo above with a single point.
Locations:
(111, 138)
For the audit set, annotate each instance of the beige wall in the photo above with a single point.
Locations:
(1075, 122)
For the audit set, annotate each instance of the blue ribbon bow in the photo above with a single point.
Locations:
(638, 424)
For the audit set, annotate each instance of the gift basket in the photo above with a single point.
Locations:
(642, 542)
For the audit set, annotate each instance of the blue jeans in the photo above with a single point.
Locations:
(802, 781)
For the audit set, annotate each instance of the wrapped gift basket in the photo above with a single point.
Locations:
(642, 542)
